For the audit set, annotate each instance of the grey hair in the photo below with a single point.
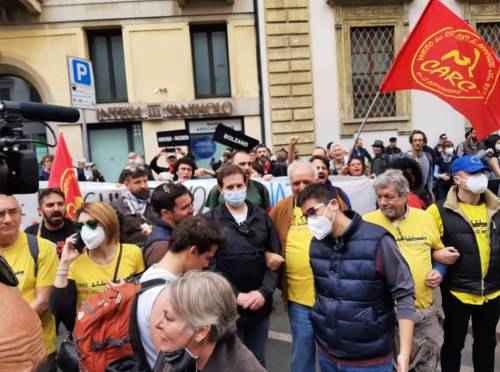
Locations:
(202, 298)
(392, 177)
(300, 163)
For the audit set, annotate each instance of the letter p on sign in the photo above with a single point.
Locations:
(81, 72)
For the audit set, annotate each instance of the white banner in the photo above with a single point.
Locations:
(358, 189)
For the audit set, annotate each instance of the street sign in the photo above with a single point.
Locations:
(233, 138)
(81, 83)
(173, 138)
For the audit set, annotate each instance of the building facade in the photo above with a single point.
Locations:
(325, 61)
(158, 66)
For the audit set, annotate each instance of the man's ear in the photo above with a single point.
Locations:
(39, 210)
(193, 251)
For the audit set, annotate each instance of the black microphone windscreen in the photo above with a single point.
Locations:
(44, 112)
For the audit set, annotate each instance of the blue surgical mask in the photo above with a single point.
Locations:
(235, 198)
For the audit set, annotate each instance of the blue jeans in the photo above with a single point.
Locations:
(327, 365)
(254, 336)
(303, 347)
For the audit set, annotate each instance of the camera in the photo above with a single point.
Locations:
(18, 164)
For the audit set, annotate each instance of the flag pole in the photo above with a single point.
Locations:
(365, 119)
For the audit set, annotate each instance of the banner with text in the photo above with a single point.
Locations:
(358, 189)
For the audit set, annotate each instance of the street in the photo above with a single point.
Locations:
(280, 348)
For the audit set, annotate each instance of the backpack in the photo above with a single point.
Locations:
(106, 328)
(33, 245)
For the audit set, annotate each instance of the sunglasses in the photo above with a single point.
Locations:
(91, 224)
(7, 276)
(311, 212)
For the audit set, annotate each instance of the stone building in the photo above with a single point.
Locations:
(159, 65)
(325, 60)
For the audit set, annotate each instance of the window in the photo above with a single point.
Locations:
(372, 51)
(490, 32)
(210, 61)
(367, 37)
(106, 53)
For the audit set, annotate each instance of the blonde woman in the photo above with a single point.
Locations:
(198, 327)
(101, 262)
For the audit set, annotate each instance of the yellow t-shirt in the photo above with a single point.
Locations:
(19, 258)
(91, 278)
(299, 276)
(416, 235)
(478, 218)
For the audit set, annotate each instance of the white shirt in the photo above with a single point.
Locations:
(145, 305)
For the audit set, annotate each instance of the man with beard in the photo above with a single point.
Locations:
(321, 164)
(173, 203)
(269, 166)
(134, 209)
(54, 225)
(256, 192)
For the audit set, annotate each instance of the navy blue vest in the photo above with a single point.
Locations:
(161, 232)
(353, 316)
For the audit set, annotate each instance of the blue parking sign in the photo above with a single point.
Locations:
(81, 72)
(81, 83)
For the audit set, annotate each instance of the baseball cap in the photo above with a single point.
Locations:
(469, 164)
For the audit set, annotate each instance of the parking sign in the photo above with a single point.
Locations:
(81, 83)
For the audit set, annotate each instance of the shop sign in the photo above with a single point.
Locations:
(165, 111)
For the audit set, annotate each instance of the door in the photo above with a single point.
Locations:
(109, 150)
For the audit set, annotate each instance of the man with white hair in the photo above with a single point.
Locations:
(419, 241)
(298, 283)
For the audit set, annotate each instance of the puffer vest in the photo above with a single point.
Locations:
(353, 316)
(465, 274)
(161, 232)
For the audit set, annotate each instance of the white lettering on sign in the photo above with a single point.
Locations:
(235, 140)
(180, 137)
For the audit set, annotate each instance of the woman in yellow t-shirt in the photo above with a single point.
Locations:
(101, 262)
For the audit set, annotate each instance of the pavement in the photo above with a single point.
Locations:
(279, 348)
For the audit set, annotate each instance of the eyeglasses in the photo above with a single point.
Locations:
(92, 224)
(13, 212)
(311, 212)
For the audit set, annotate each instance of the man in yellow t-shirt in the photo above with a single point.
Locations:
(417, 238)
(35, 288)
(468, 220)
(298, 284)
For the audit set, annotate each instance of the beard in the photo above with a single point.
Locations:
(55, 219)
(142, 194)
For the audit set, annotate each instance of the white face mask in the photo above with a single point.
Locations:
(497, 147)
(92, 238)
(477, 183)
(449, 151)
(320, 226)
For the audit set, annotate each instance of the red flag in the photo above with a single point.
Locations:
(63, 175)
(444, 56)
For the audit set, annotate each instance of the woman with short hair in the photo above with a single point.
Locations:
(198, 323)
(101, 261)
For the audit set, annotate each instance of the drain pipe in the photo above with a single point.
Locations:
(259, 71)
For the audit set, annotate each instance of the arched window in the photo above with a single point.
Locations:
(15, 88)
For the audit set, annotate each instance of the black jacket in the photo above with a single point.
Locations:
(131, 221)
(465, 275)
(241, 259)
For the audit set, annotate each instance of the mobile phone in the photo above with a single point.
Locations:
(79, 243)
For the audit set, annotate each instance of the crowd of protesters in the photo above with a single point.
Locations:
(358, 290)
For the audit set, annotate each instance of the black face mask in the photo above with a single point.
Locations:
(177, 361)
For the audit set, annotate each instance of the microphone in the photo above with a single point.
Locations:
(40, 111)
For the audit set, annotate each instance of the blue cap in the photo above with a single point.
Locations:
(469, 164)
